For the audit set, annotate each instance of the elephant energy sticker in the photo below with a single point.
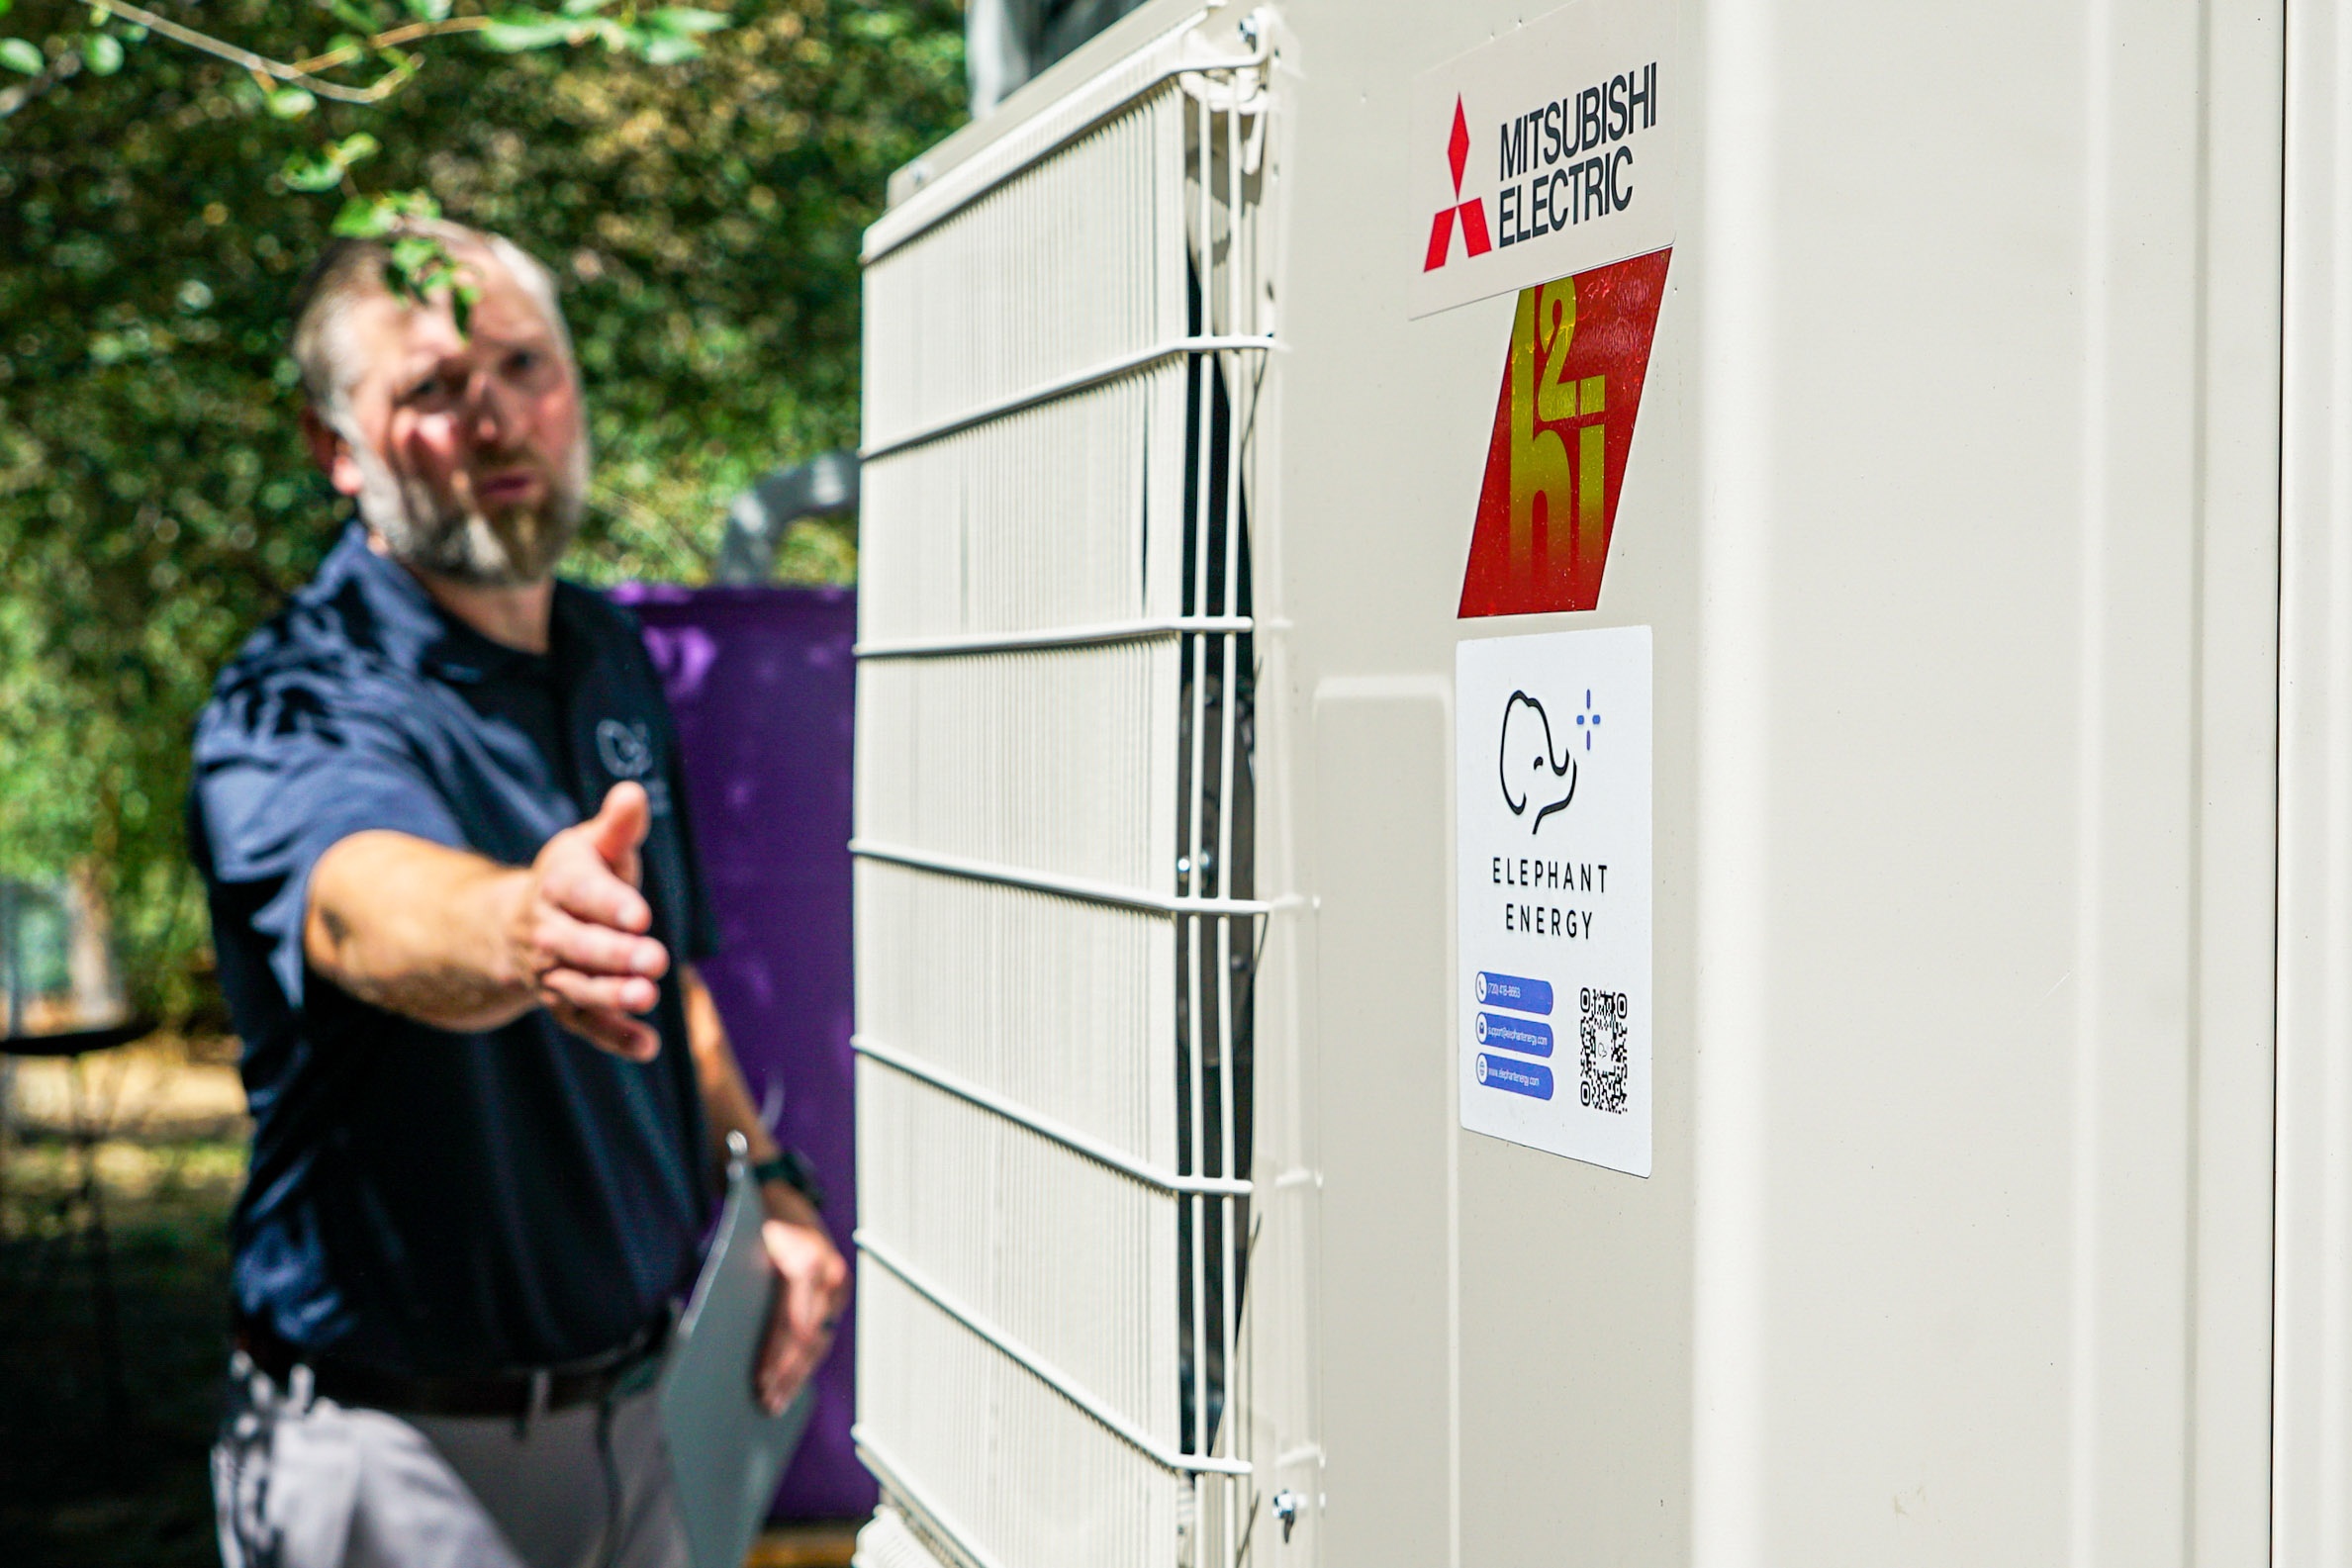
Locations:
(1553, 847)
(1564, 432)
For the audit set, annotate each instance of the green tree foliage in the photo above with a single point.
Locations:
(703, 210)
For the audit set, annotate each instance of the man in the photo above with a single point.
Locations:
(456, 905)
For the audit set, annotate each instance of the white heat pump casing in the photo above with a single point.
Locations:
(1952, 510)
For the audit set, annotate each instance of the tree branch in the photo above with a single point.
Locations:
(301, 75)
(15, 98)
(413, 32)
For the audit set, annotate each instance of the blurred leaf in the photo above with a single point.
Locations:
(666, 49)
(19, 55)
(291, 103)
(683, 20)
(325, 171)
(516, 32)
(428, 10)
(312, 172)
(103, 54)
(412, 253)
(351, 16)
(581, 8)
(362, 218)
(366, 217)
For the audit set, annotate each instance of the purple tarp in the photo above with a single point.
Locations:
(763, 687)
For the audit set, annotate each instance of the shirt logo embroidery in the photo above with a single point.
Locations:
(626, 749)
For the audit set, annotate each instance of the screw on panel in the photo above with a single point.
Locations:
(1286, 1506)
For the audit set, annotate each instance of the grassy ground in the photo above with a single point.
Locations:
(79, 1483)
(83, 1486)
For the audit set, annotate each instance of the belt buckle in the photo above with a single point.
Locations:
(535, 1403)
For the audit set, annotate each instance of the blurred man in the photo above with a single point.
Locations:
(458, 906)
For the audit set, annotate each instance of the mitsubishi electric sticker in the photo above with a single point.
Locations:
(1551, 757)
(1545, 152)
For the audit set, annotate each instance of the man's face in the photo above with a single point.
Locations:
(469, 459)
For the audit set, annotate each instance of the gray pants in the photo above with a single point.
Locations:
(303, 1482)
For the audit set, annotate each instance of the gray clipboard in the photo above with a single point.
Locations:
(727, 1455)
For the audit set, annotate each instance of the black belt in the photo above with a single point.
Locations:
(515, 1393)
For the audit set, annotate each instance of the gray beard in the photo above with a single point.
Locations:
(514, 550)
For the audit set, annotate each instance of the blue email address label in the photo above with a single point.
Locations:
(1506, 1032)
(1531, 1078)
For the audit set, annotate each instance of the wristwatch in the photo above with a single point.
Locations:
(792, 1168)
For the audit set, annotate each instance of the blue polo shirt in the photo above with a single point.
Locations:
(421, 1200)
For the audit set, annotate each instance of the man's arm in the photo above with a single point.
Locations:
(451, 939)
(813, 1280)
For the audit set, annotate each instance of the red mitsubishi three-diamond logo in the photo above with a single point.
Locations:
(1473, 210)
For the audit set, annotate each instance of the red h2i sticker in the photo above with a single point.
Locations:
(1564, 429)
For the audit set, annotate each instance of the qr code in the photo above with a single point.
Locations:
(1602, 1033)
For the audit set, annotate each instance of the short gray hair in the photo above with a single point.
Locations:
(349, 271)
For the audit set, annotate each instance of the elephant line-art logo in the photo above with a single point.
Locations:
(1529, 766)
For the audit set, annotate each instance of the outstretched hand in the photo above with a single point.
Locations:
(579, 932)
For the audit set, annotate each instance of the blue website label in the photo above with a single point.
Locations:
(1513, 991)
(1531, 1078)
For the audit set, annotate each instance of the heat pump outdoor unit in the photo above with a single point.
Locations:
(1605, 793)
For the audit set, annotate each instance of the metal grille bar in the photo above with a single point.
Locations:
(914, 1280)
(1062, 387)
(1045, 1126)
(1057, 637)
(933, 203)
(1048, 882)
(875, 1456)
